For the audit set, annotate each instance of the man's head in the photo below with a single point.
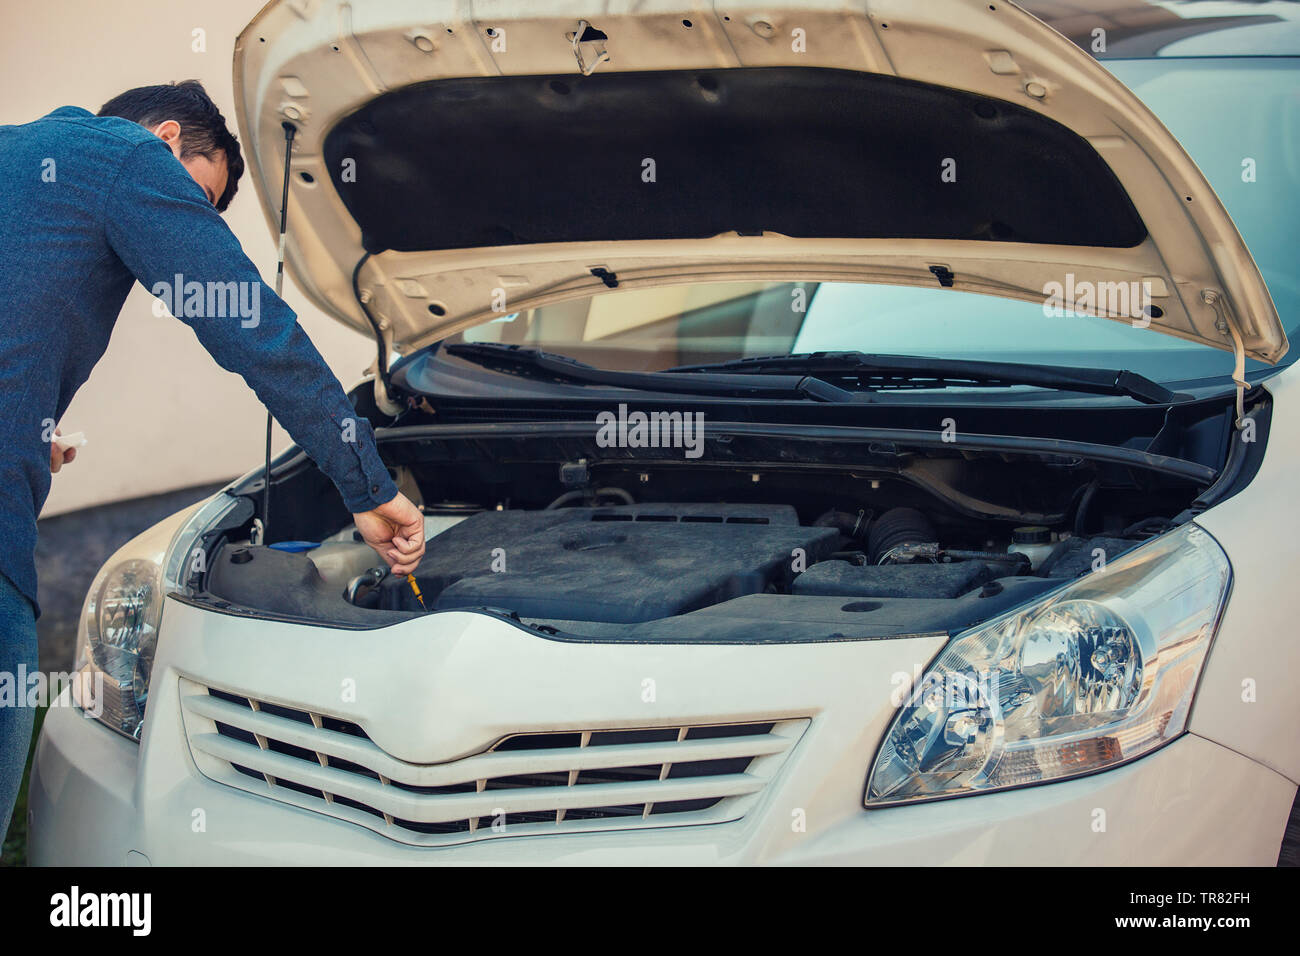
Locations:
(184, 117)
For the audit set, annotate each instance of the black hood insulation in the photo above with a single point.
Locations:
(808, 153)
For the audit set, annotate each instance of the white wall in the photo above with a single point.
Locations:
(159, 413)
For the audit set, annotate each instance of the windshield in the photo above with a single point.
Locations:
(1238, 118)
(1143, 29)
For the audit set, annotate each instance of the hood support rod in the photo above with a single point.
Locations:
(289, 130)
(1211, 298)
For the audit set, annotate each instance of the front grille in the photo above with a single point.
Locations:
(526, 783)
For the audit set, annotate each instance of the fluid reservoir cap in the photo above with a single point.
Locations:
(1031, 534)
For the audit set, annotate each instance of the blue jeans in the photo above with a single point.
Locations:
(17, 649)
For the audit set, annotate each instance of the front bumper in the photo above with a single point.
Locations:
(1192, 803)
(466, 680)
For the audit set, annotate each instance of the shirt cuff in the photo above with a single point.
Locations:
(366, 484)
(377, 487)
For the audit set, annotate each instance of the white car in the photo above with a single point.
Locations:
(844, 438)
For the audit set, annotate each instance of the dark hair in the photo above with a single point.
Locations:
(203, 128)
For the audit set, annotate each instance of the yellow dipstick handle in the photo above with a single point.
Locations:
(410, 579)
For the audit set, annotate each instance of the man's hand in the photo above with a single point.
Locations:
(396, 531)
(58, 456)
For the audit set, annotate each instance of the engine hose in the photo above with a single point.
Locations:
(565, 498)
(593, 496)
(896, 527)
(616, 493)
(1081, 515)
(849, 524)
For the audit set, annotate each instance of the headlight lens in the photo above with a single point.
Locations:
(119, 623)
(119, 635)
(1100, 672)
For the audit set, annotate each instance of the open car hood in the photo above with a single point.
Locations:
(486, 156)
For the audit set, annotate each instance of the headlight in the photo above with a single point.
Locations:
(123, 611)
(1099, 673)
(115, 650)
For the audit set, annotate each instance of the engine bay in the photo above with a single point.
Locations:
(596, 564)
(673, 572)
(763, 539)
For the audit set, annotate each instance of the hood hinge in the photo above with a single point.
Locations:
(383, 400)
(1211, 298)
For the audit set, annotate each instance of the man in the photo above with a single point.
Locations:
(88, 205)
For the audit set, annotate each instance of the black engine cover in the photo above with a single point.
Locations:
(621, 564)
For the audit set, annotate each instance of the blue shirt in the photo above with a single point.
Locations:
(88, 206)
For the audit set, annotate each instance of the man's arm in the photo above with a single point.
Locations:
(162, 227)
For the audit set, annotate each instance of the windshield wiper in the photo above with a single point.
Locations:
(562, 368)
(917, 371)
